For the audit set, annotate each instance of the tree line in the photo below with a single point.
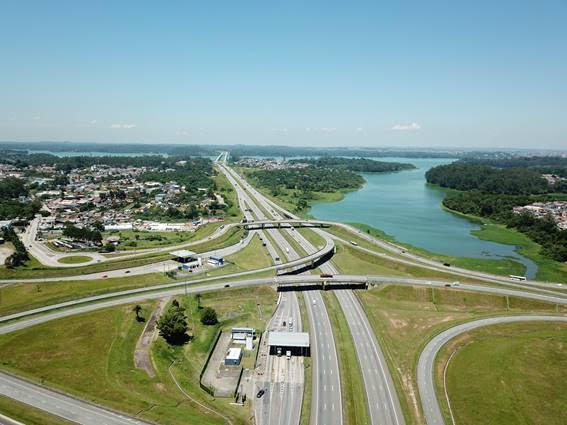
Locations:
(11, 189)
(82, 233)
(487, 179)
(361, 165)
(499, 208)
(20, 254)
(311, 178)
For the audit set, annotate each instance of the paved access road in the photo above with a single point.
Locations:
(425, 377)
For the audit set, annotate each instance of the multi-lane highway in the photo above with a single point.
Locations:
(382, 401)
(326, 394)
(327, 404)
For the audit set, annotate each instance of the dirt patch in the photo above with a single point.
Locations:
(5, 252)
(142, 358)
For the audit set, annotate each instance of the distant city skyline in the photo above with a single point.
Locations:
(436, 74)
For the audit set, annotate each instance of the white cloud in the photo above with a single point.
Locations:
(123, 126)
(183, 133)
(93, 122)
(36, 118)
(407, 127)
(359, 130)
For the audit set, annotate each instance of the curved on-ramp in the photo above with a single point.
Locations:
(426, 364)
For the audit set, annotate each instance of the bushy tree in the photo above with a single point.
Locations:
(172, 324)
(209, 316)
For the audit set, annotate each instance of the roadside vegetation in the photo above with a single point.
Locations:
(34, 269)
(405, 318)
(506, 374)
(353, 261)
(91, 356)
(134, 240)
(25, 296)
(352, 386)
(502, 267)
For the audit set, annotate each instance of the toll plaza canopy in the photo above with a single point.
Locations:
(183, 254)
(296, 342)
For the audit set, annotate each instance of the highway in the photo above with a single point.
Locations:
(382, 400)
(326, 409)
(79, 307)
(283, 380)
(326, 395)
(61, 405)
(425, 377)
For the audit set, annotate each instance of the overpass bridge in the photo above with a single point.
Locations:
(281, 224)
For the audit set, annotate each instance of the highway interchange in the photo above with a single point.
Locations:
(286, 380)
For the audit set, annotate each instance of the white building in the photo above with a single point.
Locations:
(233, 357)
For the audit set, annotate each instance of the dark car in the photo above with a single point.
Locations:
(127, 271)
(447, 285)
(447, 264)
(227, 286)
(260, 394)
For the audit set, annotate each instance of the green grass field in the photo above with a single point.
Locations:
(405, 318)
(353, 261)
(308, 375)
(91, 356)
(254, 256)
(34, 269)
(314, 238)
(134, 240)
(512, 374)
(75, 259)
(352, 387)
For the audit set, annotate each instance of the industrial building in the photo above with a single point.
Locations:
(295, 342)
(233, 357)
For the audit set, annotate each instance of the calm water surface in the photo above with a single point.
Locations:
(402, 205)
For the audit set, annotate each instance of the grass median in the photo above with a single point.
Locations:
(355, 410)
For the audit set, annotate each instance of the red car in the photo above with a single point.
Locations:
(325, 275)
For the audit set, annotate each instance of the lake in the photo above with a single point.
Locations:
(404, 206)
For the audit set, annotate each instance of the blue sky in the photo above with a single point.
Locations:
(476, 74)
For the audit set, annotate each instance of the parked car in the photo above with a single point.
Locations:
(260, 394)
